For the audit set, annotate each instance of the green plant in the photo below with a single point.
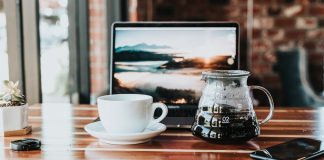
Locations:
(11, 95)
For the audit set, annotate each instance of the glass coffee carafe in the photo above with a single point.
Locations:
(225, 113)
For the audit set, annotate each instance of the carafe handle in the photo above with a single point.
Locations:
(270, 102)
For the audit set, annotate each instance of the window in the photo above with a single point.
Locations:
(4, 69)
(53, 27)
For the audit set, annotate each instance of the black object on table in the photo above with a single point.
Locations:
(27, 144)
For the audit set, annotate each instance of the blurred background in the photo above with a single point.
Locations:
(281, 43)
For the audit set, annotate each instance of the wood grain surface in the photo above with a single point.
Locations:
(60, 128)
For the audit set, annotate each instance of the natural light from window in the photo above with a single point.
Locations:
(4, 69)
(53, 25)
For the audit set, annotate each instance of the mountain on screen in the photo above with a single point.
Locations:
(141, 47)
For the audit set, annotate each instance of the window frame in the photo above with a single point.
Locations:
(24, 48)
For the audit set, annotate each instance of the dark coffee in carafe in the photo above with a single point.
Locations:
(225, 126)
(225, 113)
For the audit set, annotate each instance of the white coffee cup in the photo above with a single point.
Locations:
(128, 113)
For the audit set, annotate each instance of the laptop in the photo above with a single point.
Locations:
(165, 60)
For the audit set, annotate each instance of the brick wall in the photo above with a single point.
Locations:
(276, 23)
(98, 47)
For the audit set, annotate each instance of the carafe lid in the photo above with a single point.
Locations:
(224, 73)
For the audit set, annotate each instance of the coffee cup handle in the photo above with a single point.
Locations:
(163, 115)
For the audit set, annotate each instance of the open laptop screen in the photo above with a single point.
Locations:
(167, 62)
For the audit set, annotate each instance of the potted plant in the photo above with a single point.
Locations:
(13, 108)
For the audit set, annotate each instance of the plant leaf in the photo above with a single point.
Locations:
(16, 84)
(5, 82)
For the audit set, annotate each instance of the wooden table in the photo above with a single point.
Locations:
(60, 128)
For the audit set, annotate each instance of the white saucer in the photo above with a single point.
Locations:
(96, 129)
